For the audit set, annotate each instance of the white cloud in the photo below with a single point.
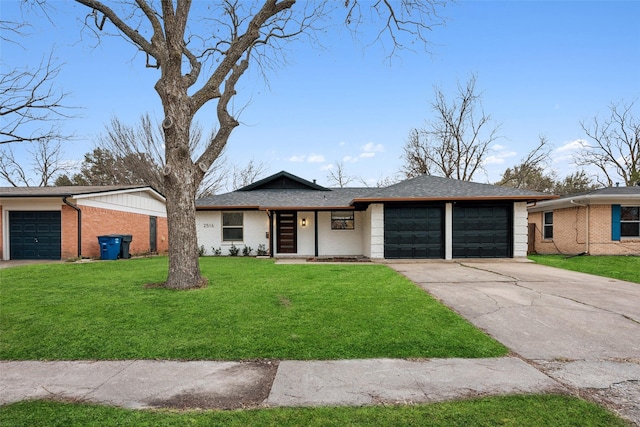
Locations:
(498, 147)
(349, 159)
(370, 147)
(309, 158)
(572, 146)
(493, 160)
(297, 159)
(315, 158)
(327, 167)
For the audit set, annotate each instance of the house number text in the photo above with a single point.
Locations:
(208, 225)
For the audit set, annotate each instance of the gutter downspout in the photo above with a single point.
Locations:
(77, 209)
(586, 250)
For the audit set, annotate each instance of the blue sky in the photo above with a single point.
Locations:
(543, 66)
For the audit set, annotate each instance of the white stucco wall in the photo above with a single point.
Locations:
(306, 244)
(209, 229)
(448, 231)
(330, 242)
(520, 229)
(340, 242)
(376, 216)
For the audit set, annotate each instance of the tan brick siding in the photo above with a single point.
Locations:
(98, 222)
(570, 233)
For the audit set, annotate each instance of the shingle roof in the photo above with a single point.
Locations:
(609, 191)
(271, 199)
(608, 195)
(427, 187)
(64, 191)
(419, 188)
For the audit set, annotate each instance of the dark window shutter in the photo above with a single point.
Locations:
(615, 222)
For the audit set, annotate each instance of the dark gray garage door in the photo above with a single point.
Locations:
(413, 232)
(34, 235)
(481, 231)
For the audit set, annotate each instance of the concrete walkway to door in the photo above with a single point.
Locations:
(580, 329)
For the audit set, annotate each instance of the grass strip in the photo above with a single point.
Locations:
(521, 411)
(617, 267)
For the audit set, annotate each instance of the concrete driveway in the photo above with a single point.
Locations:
(582, 330)
(539, 312)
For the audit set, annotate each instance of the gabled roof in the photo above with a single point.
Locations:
(286, 191)
(602, 196)
(428, 187)
(74, 191)
(283, 181)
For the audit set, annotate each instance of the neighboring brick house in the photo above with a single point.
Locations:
(600, 222)
(65, 222)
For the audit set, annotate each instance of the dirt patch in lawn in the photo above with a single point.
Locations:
(232, 396)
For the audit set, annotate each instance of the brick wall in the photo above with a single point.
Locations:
(98, 222)
(600, 242)
(570, 235)
(1, 239)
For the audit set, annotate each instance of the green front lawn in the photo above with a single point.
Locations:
(616, 267)
(252, 309)
(521, 411)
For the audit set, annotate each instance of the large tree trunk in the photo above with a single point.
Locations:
(184, 270)
(182, 179)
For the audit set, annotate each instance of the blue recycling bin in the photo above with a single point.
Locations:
(109, 246)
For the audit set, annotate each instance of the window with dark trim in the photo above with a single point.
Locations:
(232, 229)
(342, 220)
(547, 225)
(630, 221)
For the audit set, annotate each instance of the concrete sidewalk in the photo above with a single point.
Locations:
(230, 385)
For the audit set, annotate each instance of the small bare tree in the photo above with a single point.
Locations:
(243, 176)
(529, 173)
(456, 141)
(46, 164)
(338, 176)
(614, 148)
(140, 151)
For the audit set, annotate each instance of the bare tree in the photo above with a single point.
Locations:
(202, 56)
(140, 153)
(31, 107)
(243, 176)
(530, 173)
(337, 175)
(46, 164)
(456, 141)
(614, 148)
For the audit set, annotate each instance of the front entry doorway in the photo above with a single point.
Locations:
(286, 231)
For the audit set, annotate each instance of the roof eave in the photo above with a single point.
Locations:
(272, 208)
(452, 199)
(156, 194)
(587, 199)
